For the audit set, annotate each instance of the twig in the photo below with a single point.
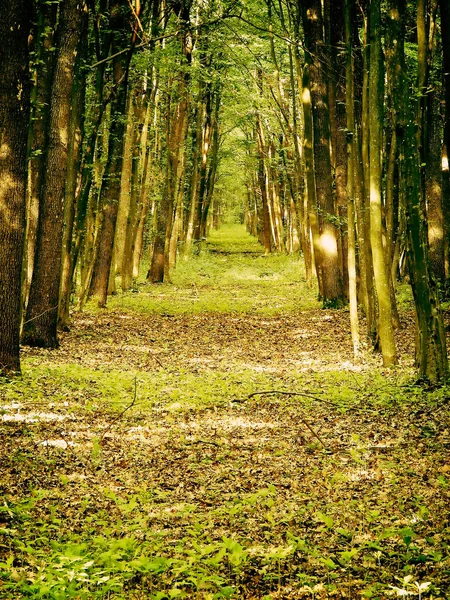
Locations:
(156, 360)
(114, 421)
(41, 314)
(305, 395)
(283, 393)
(203, 442)
(316, 435)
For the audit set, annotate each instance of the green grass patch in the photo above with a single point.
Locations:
(227, 274)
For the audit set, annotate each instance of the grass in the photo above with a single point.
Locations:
(152, 456)
(219, 278)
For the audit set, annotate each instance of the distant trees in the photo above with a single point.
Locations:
(139, 108)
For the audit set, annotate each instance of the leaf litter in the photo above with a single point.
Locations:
(222, 456)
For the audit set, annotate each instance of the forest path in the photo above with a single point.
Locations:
(149, 436)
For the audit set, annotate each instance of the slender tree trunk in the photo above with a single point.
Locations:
(76, 134)
(434, 191)
(363, 195)
(431, 352)
(381, 274)
(311, 210)
(337, 73)
(40, 327)
(123, 208)
(110, 189)
(444, 6)
(266, 237)
(194, 188)
(350, 110)
(14, 120)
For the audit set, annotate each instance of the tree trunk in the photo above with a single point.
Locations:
(381, 274)
(40, 109)
(332, 291)
(431, 352)
(434, 191)
(110, 189)
(123, 208)
(311, 196)
(40, 327)
(194, 187)
(76, 134)
(350, 110)
(444, 6)
(362, 197)
(14, 120)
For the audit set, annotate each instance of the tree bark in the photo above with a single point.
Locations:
(14, 120)
(76, 134)
(444, 6)
(431, 351)
(40, 109)
(40, 327)
(332, 290)
(350, 113)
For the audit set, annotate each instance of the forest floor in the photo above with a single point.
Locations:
(214, 438)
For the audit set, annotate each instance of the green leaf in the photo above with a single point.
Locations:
(329, 521)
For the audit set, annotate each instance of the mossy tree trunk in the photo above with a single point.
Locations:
(431, 352)
(381, 273)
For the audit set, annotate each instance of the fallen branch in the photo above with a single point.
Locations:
(285, 393)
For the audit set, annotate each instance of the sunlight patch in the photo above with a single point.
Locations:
(57, 444)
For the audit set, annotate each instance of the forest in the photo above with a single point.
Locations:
(224, 299)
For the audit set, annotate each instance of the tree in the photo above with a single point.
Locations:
(332, 291)
(381, 275)
(40, 327)
(431, 351)
(110, 186)
(14, 119)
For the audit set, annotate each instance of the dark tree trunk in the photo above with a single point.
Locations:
(332, 290)
(38, 133)
(40, 327)
(14, 119)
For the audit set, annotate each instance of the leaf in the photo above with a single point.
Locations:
(328, 562)
(329, 521)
